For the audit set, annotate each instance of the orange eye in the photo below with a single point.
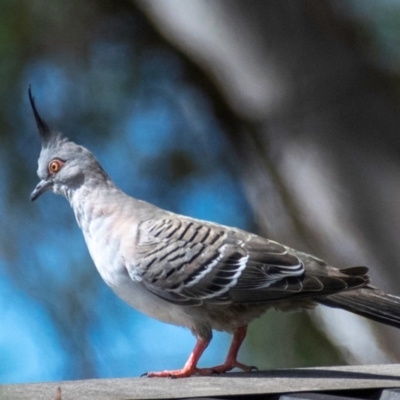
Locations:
(55, 166)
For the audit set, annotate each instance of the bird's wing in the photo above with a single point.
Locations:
(188, 262)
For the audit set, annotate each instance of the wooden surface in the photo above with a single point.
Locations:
(266, 382)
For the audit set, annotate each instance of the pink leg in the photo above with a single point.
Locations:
(231, 362)
(190, 367)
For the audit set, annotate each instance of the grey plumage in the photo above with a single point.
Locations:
(189, 272)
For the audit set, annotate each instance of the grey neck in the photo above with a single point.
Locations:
(90, 198)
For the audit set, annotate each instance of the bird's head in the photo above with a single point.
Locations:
(63, 165)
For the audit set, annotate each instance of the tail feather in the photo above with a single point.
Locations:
(367, 302)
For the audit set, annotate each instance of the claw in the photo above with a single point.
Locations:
(145, 374)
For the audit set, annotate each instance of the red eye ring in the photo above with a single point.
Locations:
(55, 165)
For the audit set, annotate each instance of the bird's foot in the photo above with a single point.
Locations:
(190, 367)
(177, 373)
(186, 372)
(225, 367)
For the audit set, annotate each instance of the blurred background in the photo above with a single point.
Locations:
(278, 117)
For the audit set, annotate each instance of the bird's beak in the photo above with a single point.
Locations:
(43, 186)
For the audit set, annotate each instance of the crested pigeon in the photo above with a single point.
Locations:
(193, 273)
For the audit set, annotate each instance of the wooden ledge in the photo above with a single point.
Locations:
(232, 384)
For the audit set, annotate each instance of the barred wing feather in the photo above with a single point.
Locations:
(189, 262)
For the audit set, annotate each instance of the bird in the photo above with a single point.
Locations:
(193, 273)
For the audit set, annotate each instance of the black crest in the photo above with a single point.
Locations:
(44, 131)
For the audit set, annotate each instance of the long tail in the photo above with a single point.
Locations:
(367, 302)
